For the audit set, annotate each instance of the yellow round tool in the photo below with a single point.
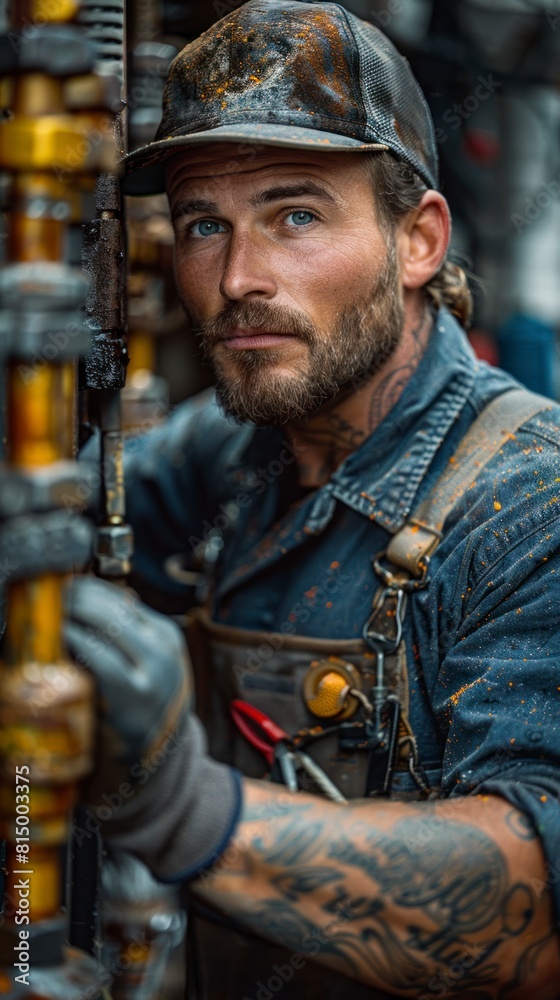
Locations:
(330, 695)
(327, 688)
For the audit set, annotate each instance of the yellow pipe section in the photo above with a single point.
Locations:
(46, 711)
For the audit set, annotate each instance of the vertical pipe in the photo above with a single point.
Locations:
(46, 702)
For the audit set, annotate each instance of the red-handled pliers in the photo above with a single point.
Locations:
(276, 745)
(271, 740)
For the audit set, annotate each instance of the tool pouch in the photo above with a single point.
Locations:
(270, 670)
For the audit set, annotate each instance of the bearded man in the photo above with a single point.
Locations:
(379, 511)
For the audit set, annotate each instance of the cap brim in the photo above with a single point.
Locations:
(145, 167)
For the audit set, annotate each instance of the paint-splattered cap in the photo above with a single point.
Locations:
(304, 75)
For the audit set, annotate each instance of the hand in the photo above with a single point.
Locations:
(155, 791)
(140, 663)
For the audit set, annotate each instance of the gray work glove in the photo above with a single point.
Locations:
(156, 792)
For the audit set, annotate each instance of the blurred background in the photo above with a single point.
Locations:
(490, 71)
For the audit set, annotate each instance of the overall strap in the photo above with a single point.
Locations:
(411, 547)
(403, 567)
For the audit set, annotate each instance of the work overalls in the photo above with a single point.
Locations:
(225, 960)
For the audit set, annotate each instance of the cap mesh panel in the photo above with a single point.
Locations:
(397, 112)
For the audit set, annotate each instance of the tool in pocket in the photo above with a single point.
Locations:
(277, 747)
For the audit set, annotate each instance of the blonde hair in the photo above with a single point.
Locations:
(398, 190)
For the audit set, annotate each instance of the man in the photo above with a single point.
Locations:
(301, 169)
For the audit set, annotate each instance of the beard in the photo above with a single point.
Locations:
(364, 337)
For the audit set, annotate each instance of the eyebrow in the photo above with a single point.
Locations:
(193, 206)
(291, 191)
(277, 193)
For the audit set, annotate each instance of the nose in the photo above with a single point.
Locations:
(248, 270)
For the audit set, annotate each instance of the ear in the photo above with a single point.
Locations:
(423, 238)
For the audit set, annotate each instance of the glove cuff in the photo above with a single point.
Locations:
(205, 834)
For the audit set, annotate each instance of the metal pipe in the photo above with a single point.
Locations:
(46, 702)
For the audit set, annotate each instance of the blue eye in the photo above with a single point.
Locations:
(301, 218)
(206, 227)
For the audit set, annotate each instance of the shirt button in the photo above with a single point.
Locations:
(268, 618)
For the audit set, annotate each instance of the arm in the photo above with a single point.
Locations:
(426, 900)
(175, 477)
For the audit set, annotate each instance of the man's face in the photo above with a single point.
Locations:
(285, 272)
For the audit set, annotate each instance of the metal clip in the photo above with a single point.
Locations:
(383, 633)
(388, 610)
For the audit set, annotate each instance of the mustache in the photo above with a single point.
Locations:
(265, 317)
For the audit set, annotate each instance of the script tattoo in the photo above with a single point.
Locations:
(521, 825)
(404, 905)
(337, 436)
(457, 898)
(388, 392)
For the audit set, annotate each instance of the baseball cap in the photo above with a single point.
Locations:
(303, 75)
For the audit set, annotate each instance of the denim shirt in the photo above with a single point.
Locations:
(483, 639)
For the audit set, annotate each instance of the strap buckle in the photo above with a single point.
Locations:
(401, 580)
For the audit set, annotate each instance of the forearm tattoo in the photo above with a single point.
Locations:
(424, 907)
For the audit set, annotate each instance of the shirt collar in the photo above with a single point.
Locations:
(381, 478)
